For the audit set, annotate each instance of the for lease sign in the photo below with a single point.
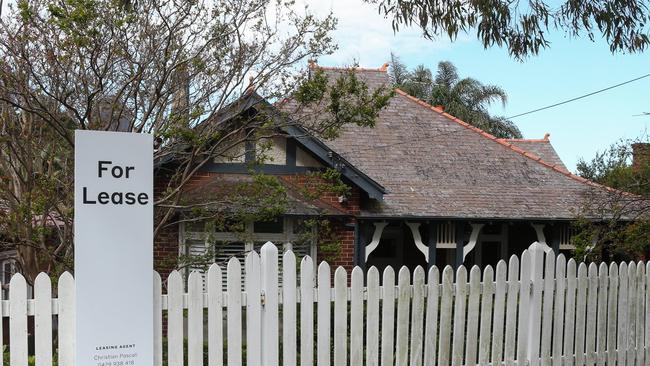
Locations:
(114, 248)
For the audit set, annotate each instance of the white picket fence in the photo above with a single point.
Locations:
(537, 310)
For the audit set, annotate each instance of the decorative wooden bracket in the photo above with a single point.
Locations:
(473, 238)
(376, 236)
(417, 239)
(541, 238)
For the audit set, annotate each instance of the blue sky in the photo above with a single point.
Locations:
(569, 68)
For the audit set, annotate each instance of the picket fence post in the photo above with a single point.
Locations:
(270, 319)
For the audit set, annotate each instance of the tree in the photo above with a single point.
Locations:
(617, 225)
(467, 98)
(523, 28)
(169, 68)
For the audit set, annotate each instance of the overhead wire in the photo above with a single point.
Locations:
(580, 97)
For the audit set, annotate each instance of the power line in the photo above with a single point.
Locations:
(580, 97)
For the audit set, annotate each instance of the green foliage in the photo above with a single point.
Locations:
(323, 233)
(327, 181)
(351, 101)
(31, 360)
(523, 27)
(623, 232)
(313, 89)
(467, 99)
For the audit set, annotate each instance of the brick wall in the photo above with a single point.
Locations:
(166, 243)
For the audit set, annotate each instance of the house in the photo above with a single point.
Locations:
(425, 188)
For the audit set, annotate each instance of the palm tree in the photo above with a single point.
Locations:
(467, 99)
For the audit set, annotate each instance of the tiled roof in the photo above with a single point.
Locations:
(540, 147)
(435, 165)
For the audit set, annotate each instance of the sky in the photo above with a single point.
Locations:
(569, 68)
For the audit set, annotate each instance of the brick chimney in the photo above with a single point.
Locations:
(640, 154)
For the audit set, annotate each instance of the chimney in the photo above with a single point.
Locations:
(640, 155)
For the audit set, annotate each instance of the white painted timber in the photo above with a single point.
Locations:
(66, 313)
(372, 318)
(233, 313)
(486, 316)
(431, 325)
(499, 313)
(446, 309)
(601, 329)
(640, 314)
(157, 320)
(558, 309)
(175, 319)
(388, 317)
(511, 310)
(356, 317)
(18, 321)
(570, 312)
(306, 312)
(215, 316)
(592, 310)
(270, 317)
(195, 319)
(376, 237)
(340, 317)
(43, 320)
(417, 239)
(473, 308)
(252, 280)
(403, 306)
(524, 321)
(289, 311)
(460, 307)
(323, 341)
(612, 309)
(630, 333)
(417, 317)
(547, 309)
(473, 238)
(581, 303)
(622, 336)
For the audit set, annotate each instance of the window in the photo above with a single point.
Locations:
(204, 245)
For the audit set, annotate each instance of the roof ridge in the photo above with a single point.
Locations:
(314, 65)
(508, 145)
(526, 140)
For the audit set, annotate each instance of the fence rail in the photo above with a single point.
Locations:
(565, 313)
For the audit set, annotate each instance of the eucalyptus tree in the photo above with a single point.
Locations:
(169, 68)
(523, 28)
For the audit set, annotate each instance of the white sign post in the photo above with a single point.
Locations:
(114, 248)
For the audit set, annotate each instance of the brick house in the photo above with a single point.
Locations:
(425, 188)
